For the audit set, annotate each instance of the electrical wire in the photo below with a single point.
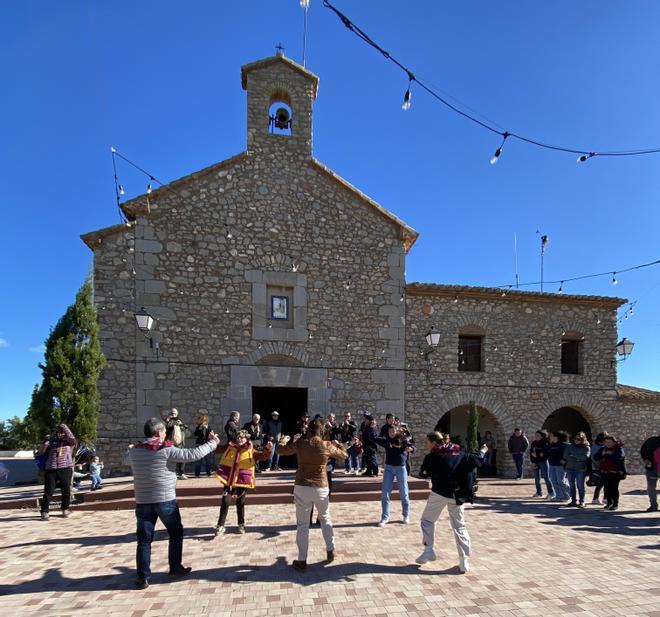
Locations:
(489, 125)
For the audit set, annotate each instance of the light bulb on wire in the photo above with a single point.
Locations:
(585, 157)
(408, 95)
(121, 190)
(561, 288)
(498, 152)
(614, 281)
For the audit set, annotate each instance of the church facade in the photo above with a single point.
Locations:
(275, 283)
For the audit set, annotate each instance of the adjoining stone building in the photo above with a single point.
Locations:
(277, 284)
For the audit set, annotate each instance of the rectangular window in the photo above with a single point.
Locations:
(571, 352)
(469, 353)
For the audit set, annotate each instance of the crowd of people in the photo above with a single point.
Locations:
(565, 467)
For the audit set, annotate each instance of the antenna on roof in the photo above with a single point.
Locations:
(515, 256)
(305, 7)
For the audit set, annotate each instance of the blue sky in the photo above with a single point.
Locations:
(160, 80)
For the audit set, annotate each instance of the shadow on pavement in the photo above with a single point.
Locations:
(280, 570)
(592, 519)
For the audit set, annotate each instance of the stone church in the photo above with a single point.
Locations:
(276, 284)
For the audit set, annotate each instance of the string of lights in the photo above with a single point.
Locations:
(561, 282)
(583, 154)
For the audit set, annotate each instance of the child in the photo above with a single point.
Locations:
(236, 472)
(95, 467)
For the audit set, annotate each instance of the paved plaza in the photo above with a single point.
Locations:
(530, 558)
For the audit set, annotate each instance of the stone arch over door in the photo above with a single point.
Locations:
(491, 410)
(591, 410)
(276, 350)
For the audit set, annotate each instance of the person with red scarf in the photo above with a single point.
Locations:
(612, 469)
(154, 464)
(452, 475)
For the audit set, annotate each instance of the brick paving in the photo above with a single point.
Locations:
(530, 558)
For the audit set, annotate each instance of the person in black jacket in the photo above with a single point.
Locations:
(201, 434)
(650, 453)
(538, 456)
(347, 430)
(452, 475)
(557, 471)
(612, 468)
(368, 436)
(231, 428)
(389, 421)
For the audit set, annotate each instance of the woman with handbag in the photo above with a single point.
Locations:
(611, 459)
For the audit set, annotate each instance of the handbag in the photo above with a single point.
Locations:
(594, 479)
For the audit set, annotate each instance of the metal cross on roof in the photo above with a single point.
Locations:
(280, 48)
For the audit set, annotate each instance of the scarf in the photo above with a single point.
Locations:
(154, 444)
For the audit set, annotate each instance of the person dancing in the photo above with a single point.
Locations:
(452, 477)
(236, 472)
(311, 486)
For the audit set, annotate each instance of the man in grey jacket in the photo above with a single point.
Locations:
(154, 477)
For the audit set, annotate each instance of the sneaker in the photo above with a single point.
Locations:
(141, 583)
(613, 507)
(607, 506)
(299, 565)
(66, 513)
(426, 556)
(652, 508)
(180, 571)
(383, 522)
(45, 516)
(278, 469)
(356, 472)
(330, 556)
(347, 472)
(241, 529)
(218, 530)
(537, 495)
(406, 520)
(571, 504)
(464, 565)
(597, 502)
(581, 505)
(183, 476)
(550, 498)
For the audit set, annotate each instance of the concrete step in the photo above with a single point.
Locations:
(253, 498)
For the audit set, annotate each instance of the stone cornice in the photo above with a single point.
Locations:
(636, 394)
(93, 238)
(510, 295)
(261, 64)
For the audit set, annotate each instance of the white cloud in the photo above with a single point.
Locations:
(4, 343)
(37, 349)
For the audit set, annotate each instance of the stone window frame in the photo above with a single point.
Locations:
(577, 338)
(473, 331)
(261, 280)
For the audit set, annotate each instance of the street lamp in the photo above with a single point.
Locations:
(624, 348)
(144, 321)
(432, 341)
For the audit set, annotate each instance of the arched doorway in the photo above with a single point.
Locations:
(455, 422)
(569, 419)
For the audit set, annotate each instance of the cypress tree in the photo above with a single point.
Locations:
(71, 368)
(473, 427)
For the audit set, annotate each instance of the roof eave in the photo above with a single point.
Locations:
(407, 234)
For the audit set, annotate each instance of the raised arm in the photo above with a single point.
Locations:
(264, 453)
(183, 455)
(336, 450)
(68, 439)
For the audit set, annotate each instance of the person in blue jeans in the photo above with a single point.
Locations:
(557, 471)
(95, 468)
(201, 434)
(576, 458)
(397, 449)
(154, 479)
(518, 445)
(538, 456)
